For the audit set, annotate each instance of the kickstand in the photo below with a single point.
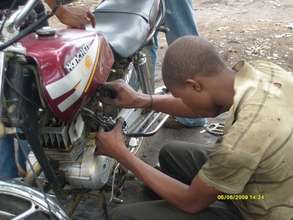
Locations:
(74, 204)
(105, 206)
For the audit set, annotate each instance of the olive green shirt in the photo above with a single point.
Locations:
(254, 158)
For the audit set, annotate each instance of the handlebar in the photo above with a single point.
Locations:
(11, 31)
(21, 14)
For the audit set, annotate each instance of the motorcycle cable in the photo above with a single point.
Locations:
(10, 84)
(7, 14)
(28, 29)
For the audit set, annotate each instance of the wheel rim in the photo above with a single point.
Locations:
(18, 201)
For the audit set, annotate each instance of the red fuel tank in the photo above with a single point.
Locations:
(72, 64)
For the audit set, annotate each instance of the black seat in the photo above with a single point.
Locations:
(126, 23)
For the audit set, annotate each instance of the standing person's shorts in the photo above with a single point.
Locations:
(12, 157)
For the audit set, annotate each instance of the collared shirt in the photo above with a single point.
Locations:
(254, 158)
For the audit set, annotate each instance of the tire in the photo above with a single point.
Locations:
(18, 201)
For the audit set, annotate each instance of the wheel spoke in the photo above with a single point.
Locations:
(25, 214)
(6, 214)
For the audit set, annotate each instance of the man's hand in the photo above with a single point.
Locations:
(111, 143)
(126, 96)
(76, 17)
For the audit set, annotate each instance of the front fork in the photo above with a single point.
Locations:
(143, 73)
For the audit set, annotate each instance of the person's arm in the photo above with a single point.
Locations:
(171, 105)
(160, 103)
(76, 17)
(128, 98)
(191, 199)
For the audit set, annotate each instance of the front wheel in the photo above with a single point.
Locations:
(18, 201)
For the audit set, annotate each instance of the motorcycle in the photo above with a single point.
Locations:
(51, 83)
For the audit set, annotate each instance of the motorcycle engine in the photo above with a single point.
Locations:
(71, 145)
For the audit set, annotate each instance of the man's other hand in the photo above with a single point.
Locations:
(111, 143)
(75, 17)
(125, 96)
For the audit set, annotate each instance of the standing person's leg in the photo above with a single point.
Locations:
(13, 159)
(23, 150)
(180, 19)
(8, 167)
(182, 161)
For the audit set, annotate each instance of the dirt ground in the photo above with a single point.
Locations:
(247, 29)
(239, 29)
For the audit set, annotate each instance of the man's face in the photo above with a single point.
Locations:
(197, 99)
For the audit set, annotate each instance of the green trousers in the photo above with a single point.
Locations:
(182, 161)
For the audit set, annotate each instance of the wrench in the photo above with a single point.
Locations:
(215, 128)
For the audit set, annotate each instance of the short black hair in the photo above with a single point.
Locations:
(189, 56)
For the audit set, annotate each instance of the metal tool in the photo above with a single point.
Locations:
(215, 128)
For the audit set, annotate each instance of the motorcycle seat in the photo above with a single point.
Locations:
(126, 23)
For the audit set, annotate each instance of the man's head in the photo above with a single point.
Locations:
(193, 70)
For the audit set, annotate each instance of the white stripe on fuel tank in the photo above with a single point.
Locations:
(79, 75)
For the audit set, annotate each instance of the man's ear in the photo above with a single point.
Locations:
(195, 85)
